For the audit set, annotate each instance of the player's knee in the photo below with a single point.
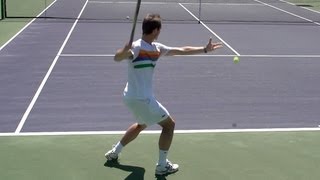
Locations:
(172, 124)
(141, 127)
(168, 124)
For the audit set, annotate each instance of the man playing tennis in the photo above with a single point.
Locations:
(142, 56)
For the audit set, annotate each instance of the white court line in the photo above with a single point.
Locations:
(229, 4)
(282, 56)
(209, 29)
(111, 55)
(132, 2)
(312, 10)
(35, 97)
(303, 18)
(159, 3)
(5, 44)
(204, 55)
(158, 132)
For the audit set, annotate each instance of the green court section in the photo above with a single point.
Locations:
(10, 26)
(26, 8)
(312, 4)
(221, 156)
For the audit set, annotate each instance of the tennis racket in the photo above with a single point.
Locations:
(135, 18)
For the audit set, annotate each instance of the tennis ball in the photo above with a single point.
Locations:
(236, 60)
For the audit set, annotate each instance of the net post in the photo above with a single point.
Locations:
(2, 9)
(199, 15)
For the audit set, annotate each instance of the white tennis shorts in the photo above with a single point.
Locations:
(146, 111)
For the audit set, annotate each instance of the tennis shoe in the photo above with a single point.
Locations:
(111, 155)
(169, 168)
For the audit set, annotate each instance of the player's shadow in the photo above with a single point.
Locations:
(137, 173)
(161, 177)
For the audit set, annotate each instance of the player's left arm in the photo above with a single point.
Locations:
(190, 50)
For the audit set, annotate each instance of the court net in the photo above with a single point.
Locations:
(2, 9)
(177, 11)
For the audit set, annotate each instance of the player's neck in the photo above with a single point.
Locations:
(148, 38)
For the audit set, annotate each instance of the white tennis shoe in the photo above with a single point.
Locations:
(169, 168)
(111, 155)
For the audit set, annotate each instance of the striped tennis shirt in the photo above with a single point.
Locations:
(141, 68)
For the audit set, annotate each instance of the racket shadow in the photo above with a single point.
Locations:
(137, 173)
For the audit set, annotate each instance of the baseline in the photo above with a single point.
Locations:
(158, 131)
(205, 55)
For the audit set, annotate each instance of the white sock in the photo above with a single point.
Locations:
(118, 147)
(162, 157)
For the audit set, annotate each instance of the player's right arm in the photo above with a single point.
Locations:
(190, 50)
(123, 53)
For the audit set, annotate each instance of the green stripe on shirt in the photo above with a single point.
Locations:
(143, 66)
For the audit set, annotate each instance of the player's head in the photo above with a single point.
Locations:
(151, 23)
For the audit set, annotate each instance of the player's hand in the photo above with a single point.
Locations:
(213, 46)
(127, 46)
(124, 53)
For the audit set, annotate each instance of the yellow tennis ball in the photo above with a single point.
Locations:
(236, 60)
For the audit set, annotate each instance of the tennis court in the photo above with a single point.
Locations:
(61, 91)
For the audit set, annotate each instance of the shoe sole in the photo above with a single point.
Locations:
(112, 160)
(165, 173)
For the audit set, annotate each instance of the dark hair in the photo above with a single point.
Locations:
(150, 23)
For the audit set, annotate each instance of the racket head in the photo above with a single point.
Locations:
(135, 18)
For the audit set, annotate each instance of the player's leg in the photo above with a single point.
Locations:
(132, 132)
(164, 166)
(137, 107)
(166, 135)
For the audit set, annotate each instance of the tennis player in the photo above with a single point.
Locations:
(142, 56)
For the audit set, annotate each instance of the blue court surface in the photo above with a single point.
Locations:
(58, 73)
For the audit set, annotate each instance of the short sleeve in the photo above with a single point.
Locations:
(163, 48)
(135, 50)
